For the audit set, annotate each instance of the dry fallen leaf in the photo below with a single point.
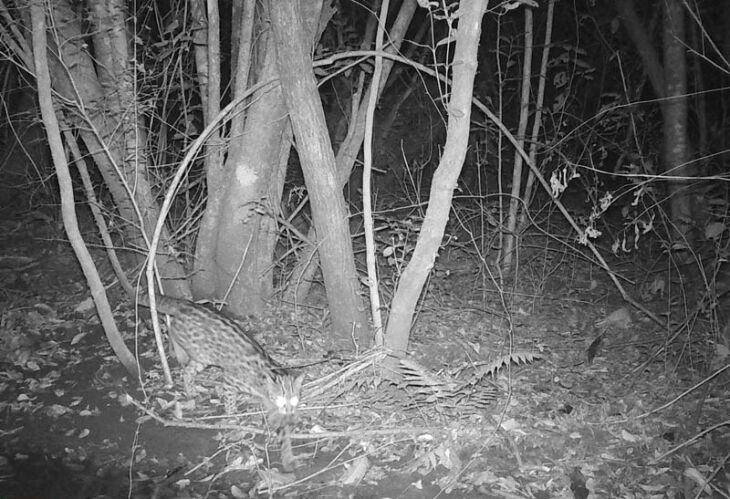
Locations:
(355, 472)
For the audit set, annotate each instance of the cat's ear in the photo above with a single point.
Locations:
(297, 385)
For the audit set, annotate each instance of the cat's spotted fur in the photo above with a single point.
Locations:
(212, 339)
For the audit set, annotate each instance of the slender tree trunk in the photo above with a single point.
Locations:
(510, 239)
(347, 153)
(348, 150)
(318, 164)
(724, 144)
(68, 212)
(670, 82)
(102, 120)
(537, 120)
(444, 180)
(199, 28)
(677, 149)
(206, 42)
(640, 37)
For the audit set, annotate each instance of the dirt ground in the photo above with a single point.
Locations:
(565, 415)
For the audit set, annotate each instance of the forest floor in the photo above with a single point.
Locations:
(570, 416)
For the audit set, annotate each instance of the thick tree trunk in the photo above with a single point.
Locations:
(68, 211)
(318, 164)
(239, 232)
(246, 234)
(104, 103)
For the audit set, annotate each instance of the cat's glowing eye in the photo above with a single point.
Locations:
(294, 401)
(280, 401)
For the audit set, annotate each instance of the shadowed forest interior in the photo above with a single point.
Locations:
(364, 248)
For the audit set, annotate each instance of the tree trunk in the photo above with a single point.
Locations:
(510, 238)
(347, 153)
(206, 45)
(318, 165)
(444, 180)
(68, 212)
(237, 238)
(640, 37)
(677, 150)
(670, 82)
(102, 102)
(348, 150)
(245, 234)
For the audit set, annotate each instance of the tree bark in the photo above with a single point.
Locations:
(68, 212)
(669, 83)
(638, 34)
(444, 180)
(206, 41)
(318, 165)
(348, 150)
(677, 149)
(239, 232)
(100, 105)
(510, 237)
(245, 236)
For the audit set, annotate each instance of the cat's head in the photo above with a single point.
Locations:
(284, 394)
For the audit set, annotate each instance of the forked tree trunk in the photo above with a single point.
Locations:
(68, 211)
(101, 119)
(235, 246)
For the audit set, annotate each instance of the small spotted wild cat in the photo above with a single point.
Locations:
(211, 339)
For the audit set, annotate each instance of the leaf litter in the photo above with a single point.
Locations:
(550, 417)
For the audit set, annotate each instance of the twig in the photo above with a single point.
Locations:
(325, 383)
(686, 392)
(693, 439)
(709, 479)
(296, 436)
